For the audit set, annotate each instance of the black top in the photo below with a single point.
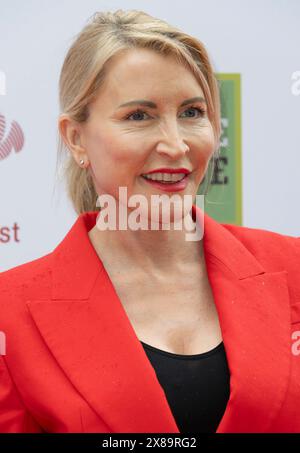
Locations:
(196, 386)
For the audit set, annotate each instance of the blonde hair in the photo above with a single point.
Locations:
(84, 71)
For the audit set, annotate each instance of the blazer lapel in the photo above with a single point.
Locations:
(88, 331)
(254, 312)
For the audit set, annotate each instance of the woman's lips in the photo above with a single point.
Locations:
(172, 187)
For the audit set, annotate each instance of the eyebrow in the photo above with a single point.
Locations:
(152, 105)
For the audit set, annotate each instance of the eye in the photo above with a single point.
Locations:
(200, 110)
(137, 114)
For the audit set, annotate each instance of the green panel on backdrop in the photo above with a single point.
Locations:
(223, 201)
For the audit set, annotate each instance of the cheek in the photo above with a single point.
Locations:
(114, 162)
(205, 146)
(104, 151)
(126, 155)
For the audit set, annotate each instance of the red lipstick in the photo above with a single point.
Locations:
(169, 170)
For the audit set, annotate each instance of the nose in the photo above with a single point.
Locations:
(171, 144)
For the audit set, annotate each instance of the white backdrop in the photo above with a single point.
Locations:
(259, 39)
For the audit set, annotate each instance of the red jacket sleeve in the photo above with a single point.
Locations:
(14, 417)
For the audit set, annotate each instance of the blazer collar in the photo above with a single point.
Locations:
(85, 315)
(74, 279)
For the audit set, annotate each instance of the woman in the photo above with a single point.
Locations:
(140, 330)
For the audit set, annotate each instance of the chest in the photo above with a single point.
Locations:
(177, 314)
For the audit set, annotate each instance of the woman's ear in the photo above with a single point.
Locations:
(71, 134)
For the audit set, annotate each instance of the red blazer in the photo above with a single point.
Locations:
(73, 362)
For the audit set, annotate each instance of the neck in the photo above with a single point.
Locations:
(154, 251)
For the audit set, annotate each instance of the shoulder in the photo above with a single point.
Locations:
(269, 247)
(258, 236)
(28, 271)
(25, 281)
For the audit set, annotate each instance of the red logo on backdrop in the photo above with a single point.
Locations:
(14, 139)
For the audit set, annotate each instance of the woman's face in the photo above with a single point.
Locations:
(122, 144)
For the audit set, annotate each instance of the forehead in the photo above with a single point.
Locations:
(144, 73)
